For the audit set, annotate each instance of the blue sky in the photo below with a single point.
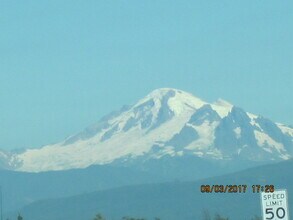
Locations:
(65, 64)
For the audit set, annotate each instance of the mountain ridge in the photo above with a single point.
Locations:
(173, 122)
(169, 200)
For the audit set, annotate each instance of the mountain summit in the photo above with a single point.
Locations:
(166, 123)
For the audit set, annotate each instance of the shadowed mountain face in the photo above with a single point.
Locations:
(166, 123)
(168, 135)
(22, 188)
(169, 201)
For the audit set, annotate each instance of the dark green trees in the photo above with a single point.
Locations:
(218, 217)
(207, 216)
(131, 218)
(99, 217)
(19, 217)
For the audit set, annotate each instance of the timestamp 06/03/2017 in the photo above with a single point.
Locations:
(236, 188)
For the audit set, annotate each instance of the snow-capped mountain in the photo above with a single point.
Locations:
(167, 122)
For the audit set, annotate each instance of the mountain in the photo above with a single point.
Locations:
(167, 123)
(23, 188)
(169, 201)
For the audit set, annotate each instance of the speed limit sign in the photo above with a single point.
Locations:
(275, 205)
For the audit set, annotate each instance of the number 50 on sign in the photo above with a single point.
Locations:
(275, 205)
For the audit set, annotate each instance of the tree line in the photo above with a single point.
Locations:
(206, 216)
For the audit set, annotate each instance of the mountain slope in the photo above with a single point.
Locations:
(167, 122)
(22, 188)
(170, 201)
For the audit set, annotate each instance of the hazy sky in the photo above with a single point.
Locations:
(64, 64)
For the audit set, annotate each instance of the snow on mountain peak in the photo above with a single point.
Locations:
(223, 103)
(165, 122)
(222, 107)
(177, 100)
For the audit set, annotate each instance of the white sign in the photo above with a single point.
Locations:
(275, 205)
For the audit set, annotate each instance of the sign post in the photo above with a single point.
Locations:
(275, 205)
